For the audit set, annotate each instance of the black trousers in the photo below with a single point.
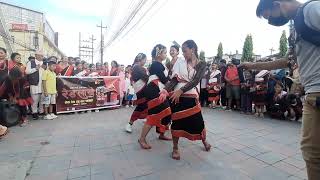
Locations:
(204, 97)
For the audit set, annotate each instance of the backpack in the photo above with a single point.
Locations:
(303, 31)
(34, 77)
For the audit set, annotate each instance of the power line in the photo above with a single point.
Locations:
(144, 14)
(152, 15)
(132, 15)
(86, 47)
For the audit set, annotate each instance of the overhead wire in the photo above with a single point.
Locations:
(129, 19)
(141, 18)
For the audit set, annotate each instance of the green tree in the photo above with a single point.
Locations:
(202, 56)
(247, 51)
(220, 51)
(283, 48)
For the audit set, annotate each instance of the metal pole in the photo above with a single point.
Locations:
(79, 44)
(102, 42)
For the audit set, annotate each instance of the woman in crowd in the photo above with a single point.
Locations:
(114, 68)
(139, 77)
(105, 69)
(16, 62)
(187, 120)
(67, 67)
(18, 89)
(159, 113)
(174, 53)
(214, 86)
(3, 76)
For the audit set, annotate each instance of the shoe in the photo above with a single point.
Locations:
(132, 105)
(129, 128)
(48, 117)
(24, 123)
(35, 116)
(228, 109)
(127, 106)
(53, 116)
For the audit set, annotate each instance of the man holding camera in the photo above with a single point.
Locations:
(306, 19)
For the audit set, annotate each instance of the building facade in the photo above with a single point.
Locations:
(26, 31)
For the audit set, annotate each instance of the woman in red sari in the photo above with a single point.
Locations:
(3, 76)
(17, 87)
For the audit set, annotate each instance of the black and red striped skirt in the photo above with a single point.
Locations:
(159, 113)
(141, 110)
(213, 94)
(187, 120)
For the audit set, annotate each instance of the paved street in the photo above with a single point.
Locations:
(93, 146)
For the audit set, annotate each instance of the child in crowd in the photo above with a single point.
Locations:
(49, 90)
(130, 94)
(261, 87)
(247, 89)
(214, 86)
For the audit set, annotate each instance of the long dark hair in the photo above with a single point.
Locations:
(115, 62)
(156, 50)
(192, 45)
(139, 58)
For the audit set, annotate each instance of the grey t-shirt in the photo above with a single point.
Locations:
(308, 55)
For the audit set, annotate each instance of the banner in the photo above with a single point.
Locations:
(87, 93)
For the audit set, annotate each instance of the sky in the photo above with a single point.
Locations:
(207, 22)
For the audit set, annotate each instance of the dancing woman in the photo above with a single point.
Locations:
(187, 120)
(139, 77)
(159, 112)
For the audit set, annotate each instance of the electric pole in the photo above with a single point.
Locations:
(86, 48)
(272, 50)
(92, 40)
(102, 41)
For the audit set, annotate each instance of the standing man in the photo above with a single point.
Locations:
(34, 73)
(307, 48)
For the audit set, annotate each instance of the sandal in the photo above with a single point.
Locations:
(144, 145)
(175, 154)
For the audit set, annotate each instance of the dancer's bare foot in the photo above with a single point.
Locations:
(175, 154)
(144, 144)
(207, 146)
(4, 131)
(165, 138)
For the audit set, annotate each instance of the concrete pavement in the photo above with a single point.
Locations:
(94, 146)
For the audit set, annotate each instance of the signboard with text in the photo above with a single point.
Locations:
(19, 27)
(87, 93)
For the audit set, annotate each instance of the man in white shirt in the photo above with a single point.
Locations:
(33, 67)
